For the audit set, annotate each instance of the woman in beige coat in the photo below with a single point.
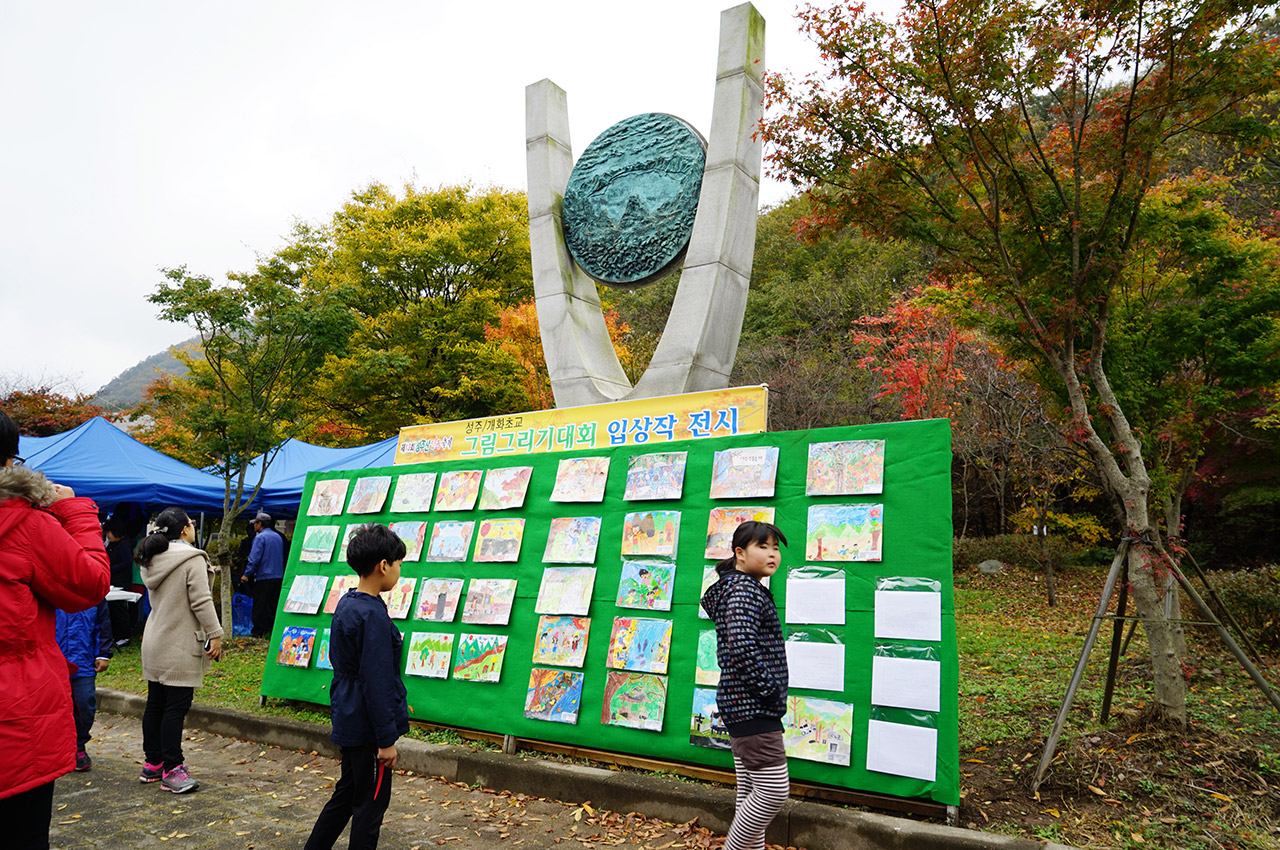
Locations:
(182, 637)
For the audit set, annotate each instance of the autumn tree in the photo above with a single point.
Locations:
(1021, 140)
(41, 411)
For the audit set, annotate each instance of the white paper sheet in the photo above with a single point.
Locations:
(819, 666)
(815, 600)
(906, 682)
(902, 750)
(908, 614)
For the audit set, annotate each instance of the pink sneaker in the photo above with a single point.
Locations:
(178, 780)
(151, 772)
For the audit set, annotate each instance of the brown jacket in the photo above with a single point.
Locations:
(182, 616)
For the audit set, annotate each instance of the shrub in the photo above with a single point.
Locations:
(1253, 596)
(1015, 550)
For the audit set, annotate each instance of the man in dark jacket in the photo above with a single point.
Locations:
(266, 570)
(124, 615)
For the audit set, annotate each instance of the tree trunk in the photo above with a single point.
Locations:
(1146, 576)
(222, 559)
(1173, 592)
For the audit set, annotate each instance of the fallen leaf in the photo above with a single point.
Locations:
(1096, 790)
(1054, 812)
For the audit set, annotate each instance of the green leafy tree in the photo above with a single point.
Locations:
(262, 339)
(1020, 140)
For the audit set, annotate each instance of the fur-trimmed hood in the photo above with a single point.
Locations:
(22, 482)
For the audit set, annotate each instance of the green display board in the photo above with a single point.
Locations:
(898, 645)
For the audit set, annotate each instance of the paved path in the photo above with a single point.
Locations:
(252, 796)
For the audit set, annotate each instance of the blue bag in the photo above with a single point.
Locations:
(241, 614)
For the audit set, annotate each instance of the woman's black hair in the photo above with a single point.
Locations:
(8, 437)
(169, 526)
(744, 535)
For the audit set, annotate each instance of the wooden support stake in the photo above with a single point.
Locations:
(1114, 661)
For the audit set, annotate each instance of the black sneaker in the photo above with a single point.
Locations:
(83, 762)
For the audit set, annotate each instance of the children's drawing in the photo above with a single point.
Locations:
(554, 695)
(845, 468)
(328, 497)
(450, 541)
(399, 597)
(428, 655)
(499, 540)
(458, 490)
(317, 544)
(707, 668)
(646, 584)
(438, 599)
(637, 700)
(652, 533)
(818, 730)
(322, 652)
(706, 728)
(581, 479)
(369, 494)
(479, 657)
(844, 532)
(305, 594)
(656, 476)
(561, 641)
(639, 644)
(413, 493)
(505, 488)
(489, 601)
(744, 473)
(414, 534)
(344, 539)
(565, 590)
(341, 585)
(709, 577)
(723, 522)
(295, 646)
(572, 540)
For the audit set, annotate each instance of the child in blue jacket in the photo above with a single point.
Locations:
(85, 641)
(368, 701)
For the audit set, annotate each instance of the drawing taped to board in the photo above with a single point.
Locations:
(561, 641)
(318, 543)
(369, 494)
(413, 493)
(723, 522)
(706, 670)
(458, 490)
(399, 597)
(654, 534)
(640, 644)
(655, 476)
(305, 594)
(504, 489)
(499, 540)
(818, 730)
(572, 540)
(322, 652)
(844, 532)
(450, 540)
(328, 497)
(295, 646)
(565, 590)
(646, 584)
(706, 727)
(634, 700)
(480, 657)
(428, 655)
(489, 601)
(438, 599)
(845, 468)
(554, 695)
(341, 585)
(744, 473)
(581, 479)
(414, 535)
(344, 539)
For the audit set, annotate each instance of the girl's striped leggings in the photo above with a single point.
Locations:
(761, 794)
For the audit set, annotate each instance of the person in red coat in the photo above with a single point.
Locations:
(51, 556)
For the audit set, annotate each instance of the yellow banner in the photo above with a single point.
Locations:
(715, 413)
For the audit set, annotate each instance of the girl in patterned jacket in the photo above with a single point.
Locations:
(752, 696)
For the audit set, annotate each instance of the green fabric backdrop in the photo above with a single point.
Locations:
(916, 542)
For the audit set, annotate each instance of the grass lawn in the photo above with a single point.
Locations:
(1122, 785)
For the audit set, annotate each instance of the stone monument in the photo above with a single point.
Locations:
(645, 196)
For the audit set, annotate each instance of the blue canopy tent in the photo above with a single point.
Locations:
(102, 462)
(287, 472)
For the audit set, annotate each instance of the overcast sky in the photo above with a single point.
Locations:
(139, 135)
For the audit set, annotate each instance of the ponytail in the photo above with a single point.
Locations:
(744, 535)
(169, 526)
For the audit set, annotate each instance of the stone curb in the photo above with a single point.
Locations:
(801, 823)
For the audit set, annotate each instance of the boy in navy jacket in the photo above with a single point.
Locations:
(85, 640)
(367, 699)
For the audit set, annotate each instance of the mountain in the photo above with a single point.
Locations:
(126, 389)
